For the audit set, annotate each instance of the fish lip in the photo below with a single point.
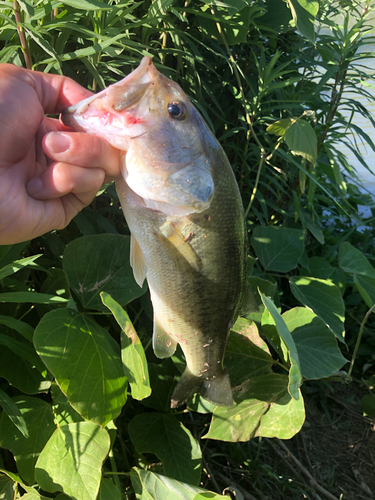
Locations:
(145, 68)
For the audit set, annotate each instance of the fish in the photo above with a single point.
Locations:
(184, 211)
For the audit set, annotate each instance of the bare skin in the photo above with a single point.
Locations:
(47, 173)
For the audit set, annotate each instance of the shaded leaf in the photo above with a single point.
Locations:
(317, 347)
(17, 265)
(366, 288)
(278, 248)
(38, 417)
(108, 491)
(13, 413)
(354, 261)
(324, 298)
(100, 263)
(171, 442)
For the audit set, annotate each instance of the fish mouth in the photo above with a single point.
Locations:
(118, 97)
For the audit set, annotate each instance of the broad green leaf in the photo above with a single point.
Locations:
(169, 440)
(278, 248)
(368, 405)
(14, 413)
(264, 286)
(249, 329)
(301, 140)
(284, 419)
(22, 348)
(295, 377)
(85, 361)
(150, 486)
(279, 127)
(324, 298)
(278, 16)
(255, 400)
(34, 496)
(366, 287)
(72, 460)
(56, 283)
(132, 353)
(354, 261)
(317, 347)
(17, 265)
(304, 12)
(7, 488)
(108, 491)
(35, 298)
(9, 253)
(100, 263)
(15, 324)
(243, 359)
(163, 378)
(18, 371)
(38, 417)
(63, 412)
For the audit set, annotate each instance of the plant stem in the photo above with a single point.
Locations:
(21, 34)
(360, 333)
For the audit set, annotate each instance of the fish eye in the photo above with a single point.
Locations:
(177, 110)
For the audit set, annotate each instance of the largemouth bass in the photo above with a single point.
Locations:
(184, 211)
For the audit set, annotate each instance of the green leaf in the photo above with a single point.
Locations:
(19, 326)
(243, 359)
(264, 409)
(278, 16)
(63, 411)
(17, 265)
(301, 140)
(108, 491)
(72, 460)
(304, 12)
(278, 248)
(171, 442)
(23, 349)
(366, 288)
(163, 378)
(7, 488)
(295, 377)
(150, 486)
(324, 298)
(100, 263)
(35, 298)
(14, 413)
(85, 361)
(280, 127)
(368, 405)
(132, 353)
(38, 417)
(317, 347)
(87, 4)
(9, 253)
(354, 261)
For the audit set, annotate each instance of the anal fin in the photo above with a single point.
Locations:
(137, 261)
(163, 345)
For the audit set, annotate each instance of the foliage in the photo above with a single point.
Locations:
(85, 408)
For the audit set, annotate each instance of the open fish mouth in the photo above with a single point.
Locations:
(113, 109)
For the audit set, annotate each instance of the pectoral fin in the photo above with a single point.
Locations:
(169, 231)
(137, 261)
(163, 345)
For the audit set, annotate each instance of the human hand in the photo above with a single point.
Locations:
(47, 174)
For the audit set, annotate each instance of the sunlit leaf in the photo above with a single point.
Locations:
(85, 361)
(301, 140)
(72, 460)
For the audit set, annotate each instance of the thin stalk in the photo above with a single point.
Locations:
(114, 470)
(21, 34)
(250, 130)
(360, 333)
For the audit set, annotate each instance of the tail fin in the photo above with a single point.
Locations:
(216, 390)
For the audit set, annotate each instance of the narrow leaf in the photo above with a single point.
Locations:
(14, 414)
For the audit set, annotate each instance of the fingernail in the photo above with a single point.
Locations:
(34, 186)
(58, 142)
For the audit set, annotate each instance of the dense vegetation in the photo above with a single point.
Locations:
(85, 408)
